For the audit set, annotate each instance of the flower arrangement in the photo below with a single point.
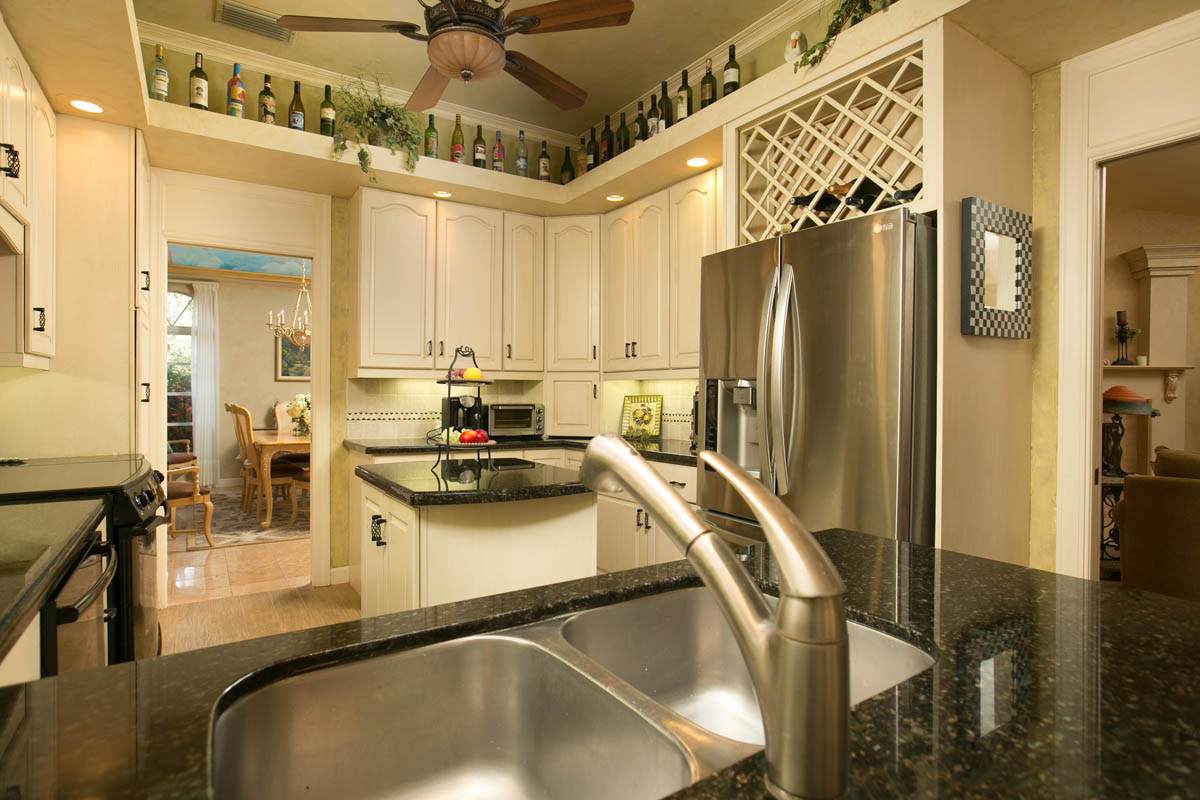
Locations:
(300, 410)
(364, 117)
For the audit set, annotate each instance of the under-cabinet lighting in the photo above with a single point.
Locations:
(698, 161)
(615, 198)
(442, 193)
(85, 105)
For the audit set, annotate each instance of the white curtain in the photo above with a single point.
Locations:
(204, 379)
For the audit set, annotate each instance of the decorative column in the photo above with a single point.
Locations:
(1164, 270)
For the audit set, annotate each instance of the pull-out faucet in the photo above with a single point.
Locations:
(798, 658)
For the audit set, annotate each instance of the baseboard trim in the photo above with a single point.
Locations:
(339, 575)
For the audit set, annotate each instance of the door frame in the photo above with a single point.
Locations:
(1119, 100)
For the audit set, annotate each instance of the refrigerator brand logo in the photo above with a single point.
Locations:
(880, 227)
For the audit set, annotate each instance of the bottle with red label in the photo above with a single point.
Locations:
(457, 147)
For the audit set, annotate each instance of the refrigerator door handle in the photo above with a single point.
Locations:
(785, 311)
(766, 466)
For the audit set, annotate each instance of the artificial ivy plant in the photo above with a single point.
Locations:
(364, 117)
(848, 14)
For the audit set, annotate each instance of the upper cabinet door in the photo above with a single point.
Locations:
(470, 286)
(616, 277)
(41, 313)
(396, 279)
(693, 236)
(524, 292)
(648, 297)
(572, 293)
(17, 118)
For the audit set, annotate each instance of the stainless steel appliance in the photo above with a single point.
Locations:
(817, 368)
(514, 420)
(464, 411)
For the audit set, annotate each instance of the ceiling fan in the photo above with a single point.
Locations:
(466, 41)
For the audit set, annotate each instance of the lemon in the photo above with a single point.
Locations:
(472, 374)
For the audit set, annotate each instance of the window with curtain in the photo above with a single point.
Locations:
(180, 434)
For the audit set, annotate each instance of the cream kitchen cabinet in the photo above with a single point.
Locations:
(470, 281)
(394, 243)
(524, 292)
(17, 110)
(572, 404)
(390, 554)
(627, 537)
(572, 294)
(693, 235)
(543, 455)
(41, 315)
(635, 274)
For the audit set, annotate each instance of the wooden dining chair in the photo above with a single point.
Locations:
(182, 493)
(285, 424)
(282, 472)
(180, 458)
(301, 483)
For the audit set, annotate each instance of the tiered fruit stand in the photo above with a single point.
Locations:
(438, 435)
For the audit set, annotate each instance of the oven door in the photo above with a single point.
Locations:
(514, 419)
(75, 621)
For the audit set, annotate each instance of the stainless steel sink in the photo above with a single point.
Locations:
(676, 648)
(479, 717)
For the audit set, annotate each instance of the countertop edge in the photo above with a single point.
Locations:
(444, 499)
(579, 445)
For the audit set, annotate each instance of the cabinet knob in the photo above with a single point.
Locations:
(593, 352)
(146, 283)
(11, 165)
(627, 349)
(41, 317)
(145, 393)
(509, 350)
(639, 518)
(635, 349)
(377, 523)
(430, 347)
(677, 484)
(441, 348)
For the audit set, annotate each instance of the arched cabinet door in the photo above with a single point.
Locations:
(470, 268)
(573, 294)
(693, 236)
(524, 292)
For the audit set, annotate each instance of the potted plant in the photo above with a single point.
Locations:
(365, 117)
(848, 14)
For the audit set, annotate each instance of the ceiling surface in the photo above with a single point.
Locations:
(1161, 180)
(612, 64)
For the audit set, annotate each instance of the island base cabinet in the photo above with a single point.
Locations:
(627, 537)
(389, 540)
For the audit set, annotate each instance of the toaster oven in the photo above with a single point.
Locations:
(509, 420)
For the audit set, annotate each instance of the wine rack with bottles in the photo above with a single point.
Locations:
(851, 148)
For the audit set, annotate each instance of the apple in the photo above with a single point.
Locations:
(481, 436)
(467, 437)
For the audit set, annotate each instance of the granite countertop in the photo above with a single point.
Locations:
(39, 543)
(1096, 689)
(667, 451)
(463, 480)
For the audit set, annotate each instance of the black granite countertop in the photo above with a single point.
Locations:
(667, 451)
(1096, 689)
(461, 480)
(39, 543)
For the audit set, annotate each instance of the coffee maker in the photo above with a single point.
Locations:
(463, 412)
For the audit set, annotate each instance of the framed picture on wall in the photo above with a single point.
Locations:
(292, 362)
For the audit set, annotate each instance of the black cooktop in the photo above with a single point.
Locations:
(65, 478)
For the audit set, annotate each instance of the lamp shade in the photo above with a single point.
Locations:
(1123, 400)
(465, 54)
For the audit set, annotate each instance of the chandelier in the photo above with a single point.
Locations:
(298, 332)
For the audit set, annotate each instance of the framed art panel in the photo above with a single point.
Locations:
(292, 362)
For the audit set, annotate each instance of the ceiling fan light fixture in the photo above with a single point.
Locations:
(466, 54)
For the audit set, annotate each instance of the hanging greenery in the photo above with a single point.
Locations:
(848, 14)
(364, 117)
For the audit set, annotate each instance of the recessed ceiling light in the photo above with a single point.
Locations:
(698, 161)
(615, 198)
(84, 105)
(441, 194)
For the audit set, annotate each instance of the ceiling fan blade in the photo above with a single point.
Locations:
(428, 91)
(574, 15)
(548, 84)
(296, 22)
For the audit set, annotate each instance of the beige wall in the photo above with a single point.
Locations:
(341, 290)
(83, 404)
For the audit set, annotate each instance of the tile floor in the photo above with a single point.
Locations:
(193, 576)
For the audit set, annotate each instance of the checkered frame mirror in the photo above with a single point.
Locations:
(996, 269)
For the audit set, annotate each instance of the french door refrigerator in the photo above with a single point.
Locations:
(818, 371)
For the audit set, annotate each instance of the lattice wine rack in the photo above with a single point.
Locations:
(870, 125)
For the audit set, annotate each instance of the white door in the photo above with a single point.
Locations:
(524, 292)
(573, 294)
(648, 295)
(41, 313)
(693, 235)
(396, 279)
(470, 284)
(572, 405)
(17, 107)
(619, 542)
(616, 274)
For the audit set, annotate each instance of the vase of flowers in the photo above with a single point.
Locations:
(300, 410)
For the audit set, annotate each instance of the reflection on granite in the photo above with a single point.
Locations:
(668, 451)
(487, 479)
(1044, 686)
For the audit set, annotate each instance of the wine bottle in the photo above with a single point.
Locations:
(652, 119)
(235, 94)
(623, 140)
(683, 100)
(907, 195)
(733, 73)
(198, 85)
(158, 81)
(479, 149)
(864, 196)
(827, 203)
(328, 112)
(431, 140)
(640, 134)
(266, 102)
(522, 155)
(593, 152)
(457, 149)
(566, 173)
(544, 164)
(581, 157)
(296, 109)
(606, 141)
(498, 154)
(708, 85)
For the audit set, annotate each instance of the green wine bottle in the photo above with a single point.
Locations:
(593, 152)
(623, 140)
(522, 155)
(683, 100)
(266, 102)
(479, 149)
(457, 143)
(198, 85)
(328, 113)
(296, 110)
(653, 120)
(431, 140)
(708, 86)
(733, 73)
(544, 164)
(639, 125)
(606, 141)
(567, 173)
(667, 115)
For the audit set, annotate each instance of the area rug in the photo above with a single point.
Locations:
(232, 527)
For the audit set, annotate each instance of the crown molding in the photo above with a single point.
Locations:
(1163, 260)
(151, 33)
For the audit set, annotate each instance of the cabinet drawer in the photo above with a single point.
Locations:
(682, 478)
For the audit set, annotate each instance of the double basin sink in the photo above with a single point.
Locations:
(632, 700)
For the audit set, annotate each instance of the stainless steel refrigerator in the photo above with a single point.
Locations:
(817, 374)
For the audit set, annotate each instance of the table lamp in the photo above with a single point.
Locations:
(1120, 400)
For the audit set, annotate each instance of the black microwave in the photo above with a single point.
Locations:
(516, 419)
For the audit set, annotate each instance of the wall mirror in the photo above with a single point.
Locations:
(996, 245)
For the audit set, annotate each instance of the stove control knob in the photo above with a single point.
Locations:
(148, 496)
(138, 500)
(158, 476)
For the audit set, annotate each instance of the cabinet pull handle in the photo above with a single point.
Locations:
(647, 525)
(442, 348)
(430, 347)
(627, 349)
(377, 523)
(593, 352)
(678, 484)
(12, 161)
(639, 518)
(41, 317)
(509, 350)
(145, 393)
(635, 349)
(594, 391)
(146, 284)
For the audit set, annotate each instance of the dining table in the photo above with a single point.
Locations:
(268, 443)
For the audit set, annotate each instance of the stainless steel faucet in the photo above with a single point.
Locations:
(798, 658)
